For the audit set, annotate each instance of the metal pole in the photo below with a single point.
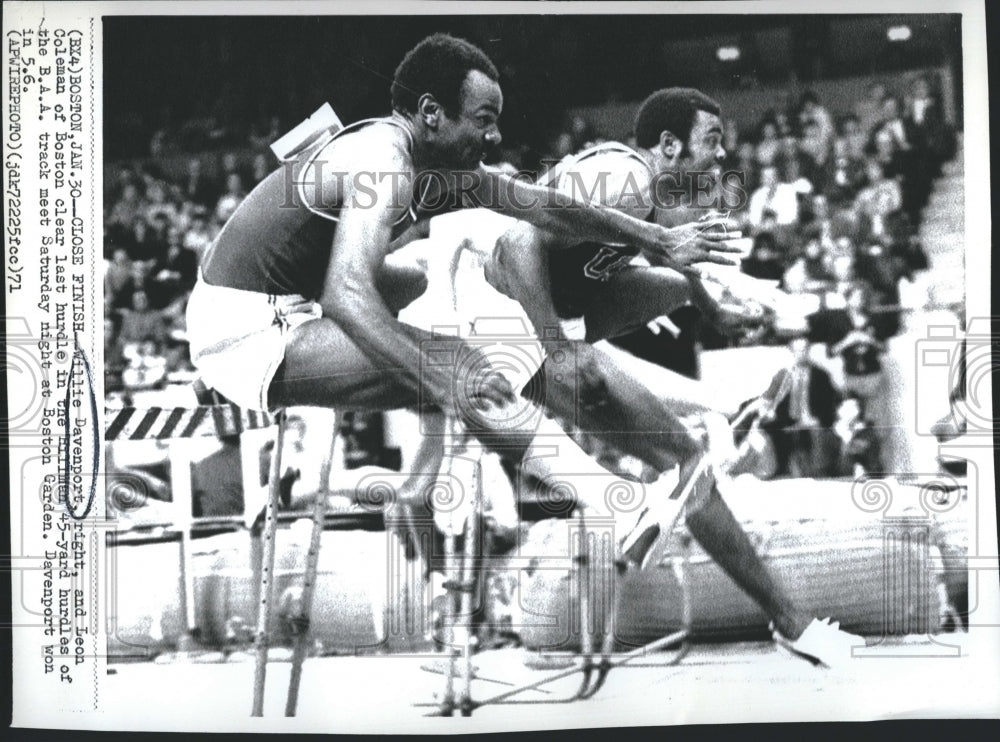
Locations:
(267, 569)
(180, 488)
(301, 623)
(469, 583)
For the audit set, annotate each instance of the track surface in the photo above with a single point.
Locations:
(716, 683)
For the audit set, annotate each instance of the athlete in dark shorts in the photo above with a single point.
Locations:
(679, 140)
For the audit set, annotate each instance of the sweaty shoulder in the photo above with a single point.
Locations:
(618, 178)
(369, 161)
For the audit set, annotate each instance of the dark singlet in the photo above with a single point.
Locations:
(576, 271)
(274, 243)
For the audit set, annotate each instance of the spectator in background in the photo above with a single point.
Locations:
(775, 196)
(199, 235)
(174, 274)
(768, 143)
(766, 260)
(869, 108)
(809, 273)
(892, 122)
(840, 264)
(852, 337)
(574, 136)
(731, 144)
(817, 217)
(847, 176)
(260, 168)
(151, 238)
(791, 173)
(880, 271)
(730, 136)
(784, 123)
(232, 198)
(861, 446)
(746, 164)
(885, 151)
(141, 322)
(812, 113)
(925, 125)
(129, 209)
(903, 246)
(147, 366)
(853, 138)
(217, 481)
(114, 359)
(140, 278)
(159, 210)
(802, 428)
(881, 197)
(118, 280)
(230, 165)
(198, 187)
(814, 147)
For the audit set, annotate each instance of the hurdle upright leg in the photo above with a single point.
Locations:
(458, 570)
(448, 617)
(180, 490)
(301, 623)
(265, 605)
(467, 587)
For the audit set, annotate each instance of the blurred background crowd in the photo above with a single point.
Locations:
(835, 192)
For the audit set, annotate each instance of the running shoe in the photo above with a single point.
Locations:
(823, 643)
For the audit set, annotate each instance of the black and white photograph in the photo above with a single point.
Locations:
(478, 367)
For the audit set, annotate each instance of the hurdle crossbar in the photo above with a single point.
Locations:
(170, 423)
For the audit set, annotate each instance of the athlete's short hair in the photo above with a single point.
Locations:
(673, 110)
(438, 65)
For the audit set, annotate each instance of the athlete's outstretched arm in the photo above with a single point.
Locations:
(577, 220)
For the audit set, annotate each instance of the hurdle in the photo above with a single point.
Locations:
(461, 583)
(595, 671)
(177, 426)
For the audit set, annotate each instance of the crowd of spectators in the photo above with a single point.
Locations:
(834, 212)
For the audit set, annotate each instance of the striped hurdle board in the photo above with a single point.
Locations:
(164, 423)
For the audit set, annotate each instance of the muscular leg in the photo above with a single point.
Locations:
(630, 300)
(590, 390)
(715, 527)
(324, 368)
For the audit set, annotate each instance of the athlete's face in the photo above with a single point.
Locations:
(704, 151)
(467, 135)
